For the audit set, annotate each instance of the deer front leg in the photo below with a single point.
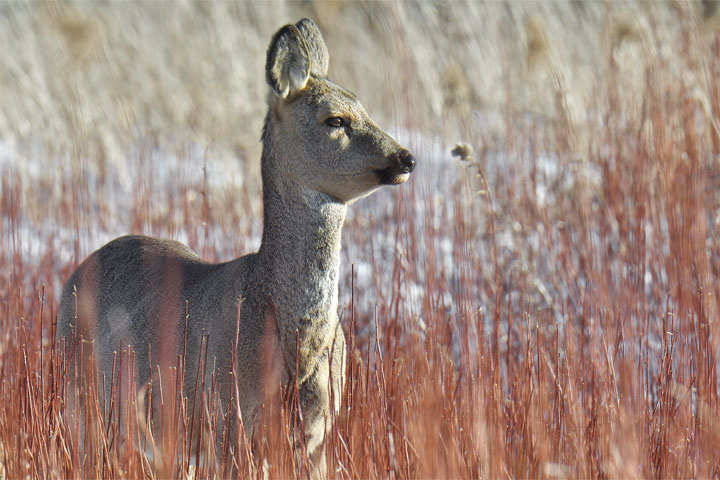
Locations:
(322, 389)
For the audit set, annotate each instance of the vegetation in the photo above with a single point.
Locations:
(543, 303)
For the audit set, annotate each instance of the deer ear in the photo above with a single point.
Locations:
(287, 68)
(319, 57)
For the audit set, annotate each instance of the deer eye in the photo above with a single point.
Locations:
(335, 122)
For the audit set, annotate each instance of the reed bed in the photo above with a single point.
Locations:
(539, 301)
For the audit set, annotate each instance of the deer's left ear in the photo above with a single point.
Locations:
(319, 56)
(287, 68)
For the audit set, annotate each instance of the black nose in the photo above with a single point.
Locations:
(406, 161)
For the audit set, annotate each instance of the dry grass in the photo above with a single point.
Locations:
(545, 307)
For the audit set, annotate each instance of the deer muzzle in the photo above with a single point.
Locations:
(401, 163)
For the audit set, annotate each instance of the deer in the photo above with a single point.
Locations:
(320, 153)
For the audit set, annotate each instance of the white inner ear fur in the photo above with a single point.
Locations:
(291, 70)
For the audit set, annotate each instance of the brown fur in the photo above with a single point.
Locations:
(133, 291)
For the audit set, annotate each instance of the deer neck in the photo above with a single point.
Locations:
(300, 252)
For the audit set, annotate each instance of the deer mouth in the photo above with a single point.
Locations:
(388, 176)
(401, 164)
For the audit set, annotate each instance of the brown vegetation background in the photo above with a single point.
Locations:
(542, 304)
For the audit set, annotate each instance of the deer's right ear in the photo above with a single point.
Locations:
(287, 69)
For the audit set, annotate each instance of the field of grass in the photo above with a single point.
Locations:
(540, 302)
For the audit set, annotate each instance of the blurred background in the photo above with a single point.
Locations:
(92, 78)
(145, 117)
(93, 93)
